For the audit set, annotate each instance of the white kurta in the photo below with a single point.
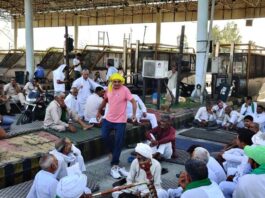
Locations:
(211, 191)
(250, 186)
(59, 75)
(248, 110)
(71, 159)
(76, 62)
(44, 185)
(141, 108)
(172, 79)
(233, 118)
(111, 70)
(258, 138)
(219, 113)
(260, 119)
(92, 104)
(84, 87)
(217, 169)
(202, 114)
(136, 174)
(71, 103)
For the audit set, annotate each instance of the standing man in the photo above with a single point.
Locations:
(59, 78)
(85, 85)
(116, 96)
(77, 65)
(172, 78)
(111, 70)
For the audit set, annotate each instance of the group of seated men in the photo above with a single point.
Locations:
(224, 116)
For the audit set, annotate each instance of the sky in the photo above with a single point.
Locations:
(45, 38)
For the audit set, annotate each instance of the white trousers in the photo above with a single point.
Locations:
(149, 116)
(15, 98)
(56, 127)
(165, 150)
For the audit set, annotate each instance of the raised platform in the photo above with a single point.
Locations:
(29, 145)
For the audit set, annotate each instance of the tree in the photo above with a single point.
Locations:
(230, 33)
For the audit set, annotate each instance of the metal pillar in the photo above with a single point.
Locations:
(158, 30)
(124, 65)
(15, 32)
(29, 37)
(136, 58)
(76, 31)
(179, 60)
(202, 27)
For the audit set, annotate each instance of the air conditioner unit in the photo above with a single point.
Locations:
(155, 69)
(113, 62)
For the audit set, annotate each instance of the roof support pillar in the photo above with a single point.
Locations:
(76, 31)
(15, 32)
(202, 33)
(158, 25)
(29, 37)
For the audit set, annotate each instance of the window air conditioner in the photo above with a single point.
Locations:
(155, 69)
(113, 62)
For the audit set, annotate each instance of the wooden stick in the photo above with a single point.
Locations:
(118, 189)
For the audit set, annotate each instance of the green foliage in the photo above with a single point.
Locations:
(230, 33)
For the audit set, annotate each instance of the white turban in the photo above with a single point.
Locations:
(144, 150)
(201, 154)
(71, 186)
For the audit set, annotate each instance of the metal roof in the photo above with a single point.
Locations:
(48, 13)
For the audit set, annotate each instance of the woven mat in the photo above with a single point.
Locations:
(216, 135)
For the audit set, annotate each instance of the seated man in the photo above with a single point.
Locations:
(45, 182)
(204, 117)
(259, 137)
(194, 182)
(139, 172)
(248, 119)
(232, 119)
(162, 139)
(260, 117)
(141, 112)
(252, 185)
(215, 171)
(71, 100)
(58, 116)
(249, 107)
(92, 105)
(219, 111)
(73, 186)
(67, 155)
(33, 86)
(13, 92)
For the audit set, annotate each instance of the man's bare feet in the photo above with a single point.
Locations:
(88, 127)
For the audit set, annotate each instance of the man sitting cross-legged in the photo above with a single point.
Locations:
(58, 116)
(45, 182)
(139, 173)
(141, 112)
(162, 139)
(205, 117)
(67, 155)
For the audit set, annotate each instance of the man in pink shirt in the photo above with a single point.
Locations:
(116, 96)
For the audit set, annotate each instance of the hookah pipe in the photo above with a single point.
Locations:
(146, 165)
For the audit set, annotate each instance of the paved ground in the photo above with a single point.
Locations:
(98, 173)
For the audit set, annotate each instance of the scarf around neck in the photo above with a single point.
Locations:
(260, 170)
(198, 183)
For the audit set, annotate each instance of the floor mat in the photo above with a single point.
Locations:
(184, 144)
(25, 128)
(183, 156)
(216, 136)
